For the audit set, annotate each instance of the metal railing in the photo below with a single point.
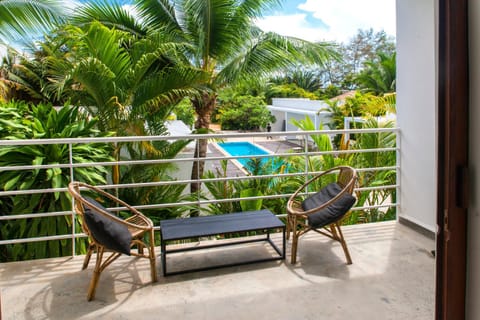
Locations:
(301, 148)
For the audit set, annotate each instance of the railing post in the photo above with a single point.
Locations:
(72, 178)
(197, 144)
(305, 150)
(398, 171)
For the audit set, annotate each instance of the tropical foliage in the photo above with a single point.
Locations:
(184, 112)
(240, 112)
(365, 46)
(306, 79)
(219, 39)
(140, 86)
(371, 179)
(358, 105)
(21, 121)
(132, 68)
(375, 178)
(288, 90)
(21, 18)
(245, 189)
(379, 77)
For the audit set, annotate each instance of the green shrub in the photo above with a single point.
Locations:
(243, 113)
(21, 121)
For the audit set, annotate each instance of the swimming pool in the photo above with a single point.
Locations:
(243, 148)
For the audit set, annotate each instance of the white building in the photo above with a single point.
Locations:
(286, 109)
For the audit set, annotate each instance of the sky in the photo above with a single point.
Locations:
(330, 20)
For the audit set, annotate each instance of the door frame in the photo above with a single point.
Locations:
(452, 202)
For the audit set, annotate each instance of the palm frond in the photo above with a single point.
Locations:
(104, 44)
(255, 8)
(268, 52)
(167, 87)
(111, 14)
(157, 14)
(22, 17)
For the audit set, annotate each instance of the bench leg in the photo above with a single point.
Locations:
(163, 255)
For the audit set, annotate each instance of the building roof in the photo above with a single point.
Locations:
(298, 105)
(344, 96)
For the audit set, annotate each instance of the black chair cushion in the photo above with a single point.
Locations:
(331, 213)
(110, 233)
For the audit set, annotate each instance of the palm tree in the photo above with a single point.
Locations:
(130, 85)
(379, 77)
(19, 18)
(306, 79)
(220, 39)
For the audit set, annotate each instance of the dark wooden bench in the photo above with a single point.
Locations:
(206, 226)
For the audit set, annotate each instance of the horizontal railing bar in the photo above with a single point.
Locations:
(36, 215)
(210, 136)
(31, 191)
(162, 161)
(167, 205)
(217, 179)
(162, 183)
(377, 169)
(348, 151)
(391, 186)
(46, 238)
(388, 205)
(82, 235)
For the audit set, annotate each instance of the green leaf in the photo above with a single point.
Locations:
(9, 185)
(250, 205)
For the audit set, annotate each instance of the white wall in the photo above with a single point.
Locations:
(417, 117)
(416, 110)
(473, 240)
(287, 109)
(301, 103)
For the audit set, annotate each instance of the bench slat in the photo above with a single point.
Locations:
(177, 229)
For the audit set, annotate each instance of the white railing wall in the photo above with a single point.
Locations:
(302, 150)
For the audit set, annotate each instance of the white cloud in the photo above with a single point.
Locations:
(342, 19)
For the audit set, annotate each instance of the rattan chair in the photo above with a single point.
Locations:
(108, 233)
(321, 211)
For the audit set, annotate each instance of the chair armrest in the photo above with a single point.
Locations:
(136, 220)
(294, 206)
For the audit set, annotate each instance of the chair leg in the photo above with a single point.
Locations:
(88, 255)
(289, 227)
(293, 258)
(295, 235)
(153, 267)
(333, 230)
(96, 274)
(344, 243)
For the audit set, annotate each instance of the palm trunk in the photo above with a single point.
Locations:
(204, 107)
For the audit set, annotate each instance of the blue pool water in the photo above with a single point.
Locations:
(247, 149)
(243, 149)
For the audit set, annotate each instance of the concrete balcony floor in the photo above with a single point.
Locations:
(392, 277)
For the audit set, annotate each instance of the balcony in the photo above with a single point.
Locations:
(392, 275)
